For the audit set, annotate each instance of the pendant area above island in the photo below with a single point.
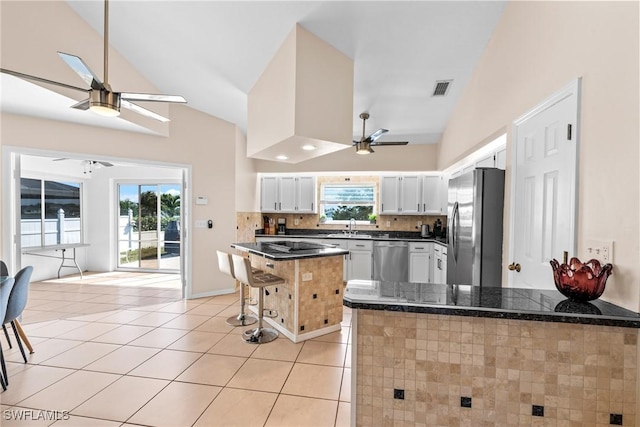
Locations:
(309, 304)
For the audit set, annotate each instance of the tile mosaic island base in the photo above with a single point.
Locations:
(309, 303)
(440, 362)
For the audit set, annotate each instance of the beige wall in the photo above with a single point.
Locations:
(536, 49)
(205, 143)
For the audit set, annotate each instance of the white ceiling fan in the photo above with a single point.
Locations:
(364, 145)
(102, 99)
(88, 166)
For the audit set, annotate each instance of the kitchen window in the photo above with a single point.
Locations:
(50, 212)
(341, 202)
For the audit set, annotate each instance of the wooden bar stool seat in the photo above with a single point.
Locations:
(242, 270)
(226, 266)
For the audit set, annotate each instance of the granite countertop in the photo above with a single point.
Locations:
(405, 236)
(466, 300)
(287, 250)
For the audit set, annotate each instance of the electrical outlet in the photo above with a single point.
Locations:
(200, 223)
(388, 223)
(600, 250)
(307, 276)
(296, 221)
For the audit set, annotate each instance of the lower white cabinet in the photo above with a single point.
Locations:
(360, 264)
(420, 266)
(439, 263)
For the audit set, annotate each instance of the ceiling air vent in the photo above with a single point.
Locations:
(441, 87)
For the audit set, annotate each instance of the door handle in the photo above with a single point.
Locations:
(514, 266)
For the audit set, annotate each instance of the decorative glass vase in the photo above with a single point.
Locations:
(580, 281)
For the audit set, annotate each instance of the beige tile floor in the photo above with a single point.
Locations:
(122, 349)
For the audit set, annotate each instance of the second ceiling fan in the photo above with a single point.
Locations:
(102, 99)
(364, 145)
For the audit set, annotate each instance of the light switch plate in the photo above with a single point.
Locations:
(200, 223)
(307, 276)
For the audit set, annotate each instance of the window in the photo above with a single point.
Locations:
(341, 202)
(59, 222)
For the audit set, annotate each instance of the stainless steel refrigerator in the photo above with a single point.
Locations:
(474, 228)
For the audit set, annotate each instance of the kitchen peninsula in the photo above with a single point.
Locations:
(309, 303)
(441, 355)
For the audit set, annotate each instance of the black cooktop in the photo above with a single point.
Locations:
(289, 246)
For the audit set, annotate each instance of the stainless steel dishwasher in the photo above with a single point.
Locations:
(391, 261)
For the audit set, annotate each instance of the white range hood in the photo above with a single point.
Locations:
(304, 97)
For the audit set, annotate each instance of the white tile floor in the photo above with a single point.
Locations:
(118, 349)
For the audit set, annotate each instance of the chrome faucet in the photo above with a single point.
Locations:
(352, 226)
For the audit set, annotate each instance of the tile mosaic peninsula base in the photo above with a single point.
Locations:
(468, 371)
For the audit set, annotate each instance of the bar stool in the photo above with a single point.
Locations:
(242, 319)
(242, 270)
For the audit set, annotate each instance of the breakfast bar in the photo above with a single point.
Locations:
(309, 303)
(441, 355)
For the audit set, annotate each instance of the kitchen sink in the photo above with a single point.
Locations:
(349, 235)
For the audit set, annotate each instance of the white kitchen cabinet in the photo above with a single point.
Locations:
(501, 158)
(306, 194)
(291, 194)
(389, 195)
(401, 195)
(439, 263)
(360, 265)
(269, 194)
(434, 195)
(420, 255)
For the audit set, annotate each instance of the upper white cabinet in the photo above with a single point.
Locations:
(294, 194)
(269, 194)
(305, 190)
(434, 195)
(389, 195)
(412, 195)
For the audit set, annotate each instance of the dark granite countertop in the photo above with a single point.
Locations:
(287, 250)
(466, 300)
(406, 236)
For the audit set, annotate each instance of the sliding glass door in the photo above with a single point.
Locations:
(149, 226)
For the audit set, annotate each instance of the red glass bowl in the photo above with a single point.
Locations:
(580, 281)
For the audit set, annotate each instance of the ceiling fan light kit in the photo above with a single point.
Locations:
(105, 103)
(102, 99)
(364, 145)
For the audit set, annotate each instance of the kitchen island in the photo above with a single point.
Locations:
(309, 303)
(442, 355)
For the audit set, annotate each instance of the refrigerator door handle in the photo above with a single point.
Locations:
(455, 217)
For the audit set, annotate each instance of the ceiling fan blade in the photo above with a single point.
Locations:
(151, 97)
(60, 159)
(378, 144)
(106, 164)
(41, 80)
(377, 134)
(82, 105)
(141, 110)
(82, 69)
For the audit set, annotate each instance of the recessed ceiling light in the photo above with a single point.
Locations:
(282, 157)
(308, 147)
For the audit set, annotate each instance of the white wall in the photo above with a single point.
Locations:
(536, 49)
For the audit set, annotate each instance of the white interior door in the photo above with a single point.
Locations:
(543, 220)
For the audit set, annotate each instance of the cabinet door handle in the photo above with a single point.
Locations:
(311, 205)
(382, 209)
(280, 204)
(275, 206)
(419, 248)
(424, 207)
(359, 246)
(418, 207)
